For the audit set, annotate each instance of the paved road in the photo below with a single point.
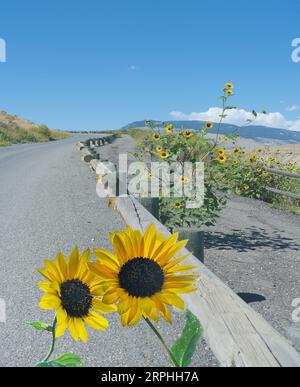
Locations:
(255, 249)
(47, 204)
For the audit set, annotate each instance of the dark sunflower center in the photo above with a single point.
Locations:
(141, 277)
(76, 298)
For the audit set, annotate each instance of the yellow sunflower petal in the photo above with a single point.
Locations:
(135, 313)
(153, 314)
(149, 241)
(162, 308)
(119, 248)
(98, 290)
(99, 306)
(52, 270)
(55, 287)
(47, 275)
(61, 328)
(165, 246)
(73, 328)
(82, 269)
(73, 263)
(167, 255)
(49, 301)
(174, 262)
(61, 316)
(46, 287)
(127, 243)
(108, 259)
(183, 278)
(124, 318)
(124, 305)
(147, 305)
(81, 330)
(138, 244)
(171, 299)
(184, 289)
(96, 321)
(102, 271)
(111, 297)
(61, 265)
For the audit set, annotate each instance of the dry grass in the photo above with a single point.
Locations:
(14, 130)
(288, 153)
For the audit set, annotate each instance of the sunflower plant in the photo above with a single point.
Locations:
(143, 277)
(246, 173)
(74, 293)
(164, 142)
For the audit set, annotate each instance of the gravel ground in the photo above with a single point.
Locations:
(255, 250)
(48, 203)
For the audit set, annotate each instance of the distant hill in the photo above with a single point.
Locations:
(14, 130)
(253, 132)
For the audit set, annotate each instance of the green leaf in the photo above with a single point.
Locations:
(40, 326)
(68, 360)
(49, 364)
(184, 348)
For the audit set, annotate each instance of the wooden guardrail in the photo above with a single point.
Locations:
(237, 335)
(278, 191)
(87, 148)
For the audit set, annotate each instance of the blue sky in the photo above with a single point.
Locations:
(98, 64)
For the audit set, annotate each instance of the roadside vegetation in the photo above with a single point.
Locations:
(229, 168)
(14, 130)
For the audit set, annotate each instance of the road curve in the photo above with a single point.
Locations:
(48, 203)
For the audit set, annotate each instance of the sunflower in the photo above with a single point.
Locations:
(183, 179)
(209, 125)
(142, 276)
(187, 133)
(164, 154)
(246, 187)
(74, 292)
(229, 85)
(221, 151)
(236, 150)
(169, 129)
(177, 205)
(259, 170)
(222, 159)
(156, 136)
(253, 159)
(228, 91)
(158, 149)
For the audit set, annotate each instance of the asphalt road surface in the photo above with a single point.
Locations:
(48, 203)
(255, 250)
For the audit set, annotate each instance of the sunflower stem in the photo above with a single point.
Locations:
(53, 341)
(172, 357)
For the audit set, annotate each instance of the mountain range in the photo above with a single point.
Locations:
(257, 133)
